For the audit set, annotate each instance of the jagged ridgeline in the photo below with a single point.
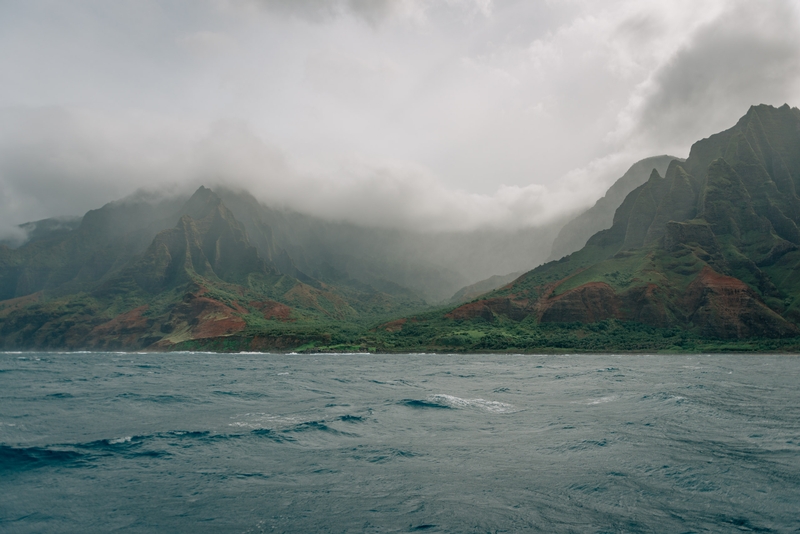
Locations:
(157, 272)
(574, 235)
(704, 255)
(120, 280)
(707, 251)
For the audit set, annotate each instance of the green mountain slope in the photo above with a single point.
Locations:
(473, 291)
(709, 251)
(199, 280)
(574, 234)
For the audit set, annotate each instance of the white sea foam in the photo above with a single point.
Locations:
(488, 405)
(602, 400)
(257, 421)
(117, 441)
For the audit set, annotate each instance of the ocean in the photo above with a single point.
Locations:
(247, 443)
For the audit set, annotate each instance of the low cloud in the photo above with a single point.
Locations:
(58, 161)
(434, 114)
(387, 194)
(351, 80)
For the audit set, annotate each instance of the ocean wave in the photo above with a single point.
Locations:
(130, 447)
(351, 418)
(380, 455)
(277, 437)
(312, 425)
(158, 399)
(285, 435)
(442, 400)
(488, 405)
(240, 394)
(602, 400)
(664, 396)
(59, 396)
(316, 426)
(274, 425)
(415, 403)
(259, 421)
(17, 458)
(127, 447)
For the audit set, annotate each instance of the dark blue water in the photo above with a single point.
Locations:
(401, 443)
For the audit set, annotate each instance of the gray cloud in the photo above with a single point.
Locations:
(64, 162)
(56, 161)
(439, 114)
(371, 11)
(374, 12)
(312, 10)
(350, 79)
(748, 55)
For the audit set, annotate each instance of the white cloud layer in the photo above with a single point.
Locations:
(440, 115)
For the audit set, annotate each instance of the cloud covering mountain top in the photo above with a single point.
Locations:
(437, 115)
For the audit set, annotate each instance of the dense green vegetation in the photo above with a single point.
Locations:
(436, 334)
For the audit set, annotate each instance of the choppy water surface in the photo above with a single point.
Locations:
(433, 443)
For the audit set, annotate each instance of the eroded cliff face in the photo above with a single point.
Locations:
(588, 303)
(725, 307)
(597, 301)
(489, 308)
(712, 246)
(713, 304)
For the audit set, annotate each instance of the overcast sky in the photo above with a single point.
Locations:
(433, 114)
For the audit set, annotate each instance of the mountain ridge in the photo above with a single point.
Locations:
(710, 248)
(199, 279)
(703, 256)
(575, 233)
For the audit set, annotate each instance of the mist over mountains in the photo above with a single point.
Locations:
(131, 257)
(413, 114)
(432, 265)
(709, 250)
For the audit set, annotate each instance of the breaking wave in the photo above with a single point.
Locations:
(442, 400)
